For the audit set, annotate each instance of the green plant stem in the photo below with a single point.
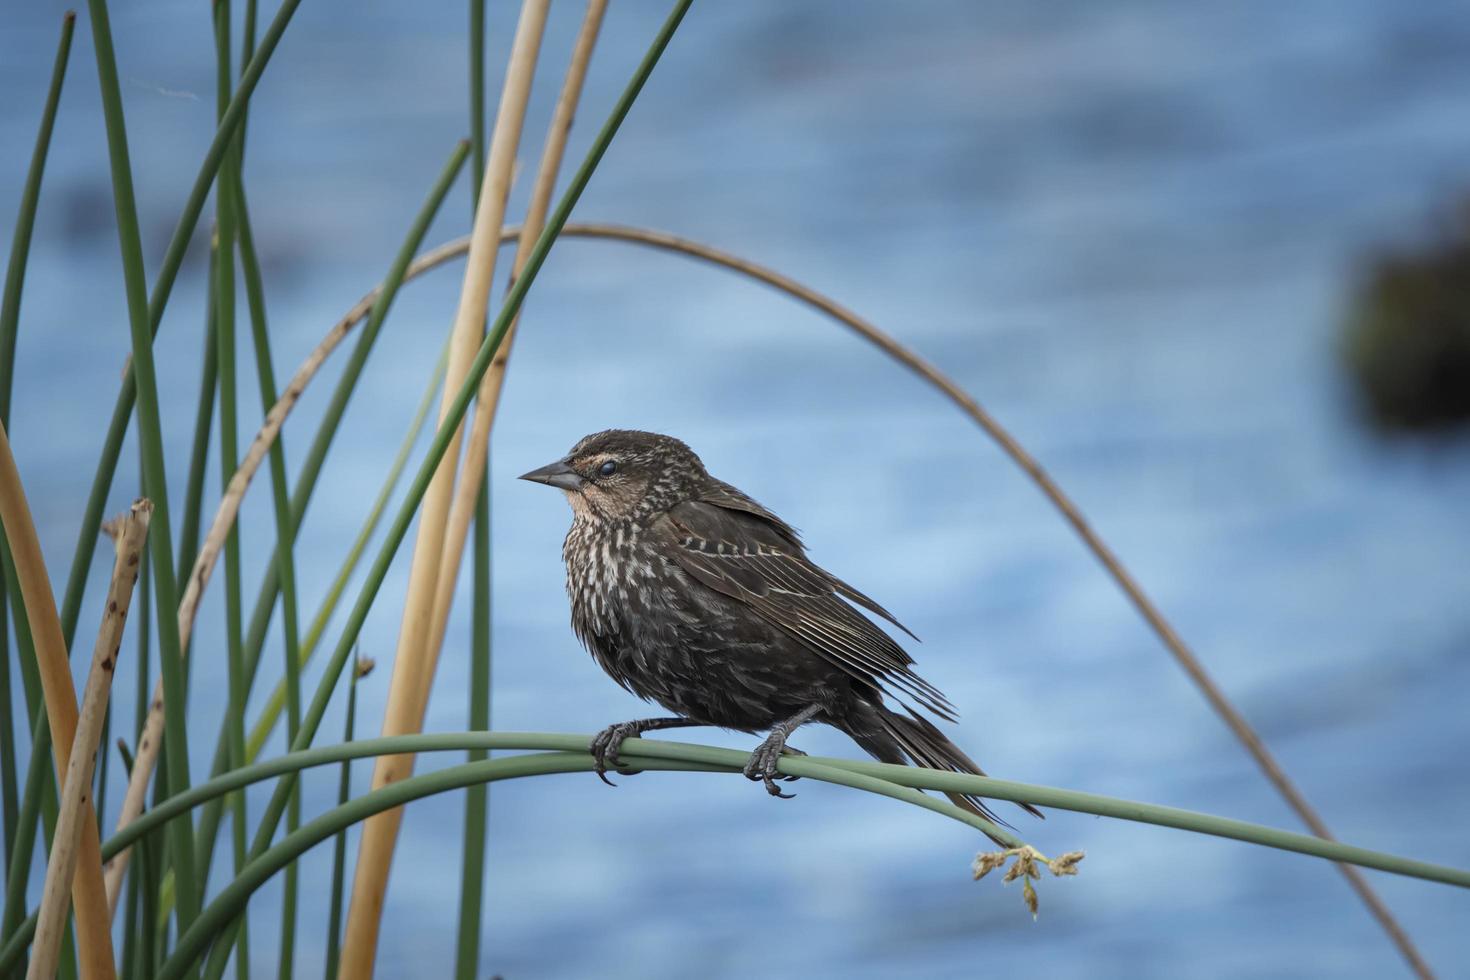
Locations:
(285, 548)
(203, 422)
(339, 846)
(154, 470)
(19, 871)
(477, 99)
(450, 421)
(229, 219)
(472, 868)
(39, 796)
(25, 219)
(472, 875)
(15, 273)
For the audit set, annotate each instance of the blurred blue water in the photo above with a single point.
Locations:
(1129, 229)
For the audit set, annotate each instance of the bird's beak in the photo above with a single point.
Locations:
(557, 474)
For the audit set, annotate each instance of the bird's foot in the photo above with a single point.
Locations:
(605, 745)
(764, 762)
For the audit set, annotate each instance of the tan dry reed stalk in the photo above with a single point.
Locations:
(94, 935)
(128, 533)
(413, 660)
(487, 398)
(448, 251)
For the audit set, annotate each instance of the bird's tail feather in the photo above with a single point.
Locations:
(927, 746)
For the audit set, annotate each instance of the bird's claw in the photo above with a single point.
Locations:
(764, 763)
(604, 749)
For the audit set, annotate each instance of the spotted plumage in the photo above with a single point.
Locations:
(692, 595)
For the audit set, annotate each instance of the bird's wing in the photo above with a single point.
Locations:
(771, 530)
(736, 552)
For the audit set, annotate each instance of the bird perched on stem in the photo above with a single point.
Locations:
(691, 594)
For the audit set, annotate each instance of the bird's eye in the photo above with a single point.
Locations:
(608, 468)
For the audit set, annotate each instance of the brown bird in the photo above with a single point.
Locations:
(691, 594)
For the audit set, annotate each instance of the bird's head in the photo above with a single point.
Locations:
(623, 474)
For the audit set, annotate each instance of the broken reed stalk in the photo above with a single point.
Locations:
(128, 533)
(413, 661)
(94, 934)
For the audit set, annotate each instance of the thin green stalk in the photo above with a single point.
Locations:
(339, 852)
(25, 220)
(9, 789)
(316, 455)
(203, 423)
(15, 273)
(251, 267)
(173, 258)
(472, 870)
(227, 351)
(30, 677)
(19, 872)
(154, 471)
(275, 703)
(146, 869)
(247, 51)
(472, 880)
(128, 960)
(39, 794)
(285, 548)
(477, 99)
(157, 923)
(39, 771)
(451, 420)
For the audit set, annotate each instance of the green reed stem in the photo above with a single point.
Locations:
(476, 798)
(285, 549)
(472, 869)
(227, 220)
(150, 437)
(203, 423)
(15, 273)
(339, 846)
